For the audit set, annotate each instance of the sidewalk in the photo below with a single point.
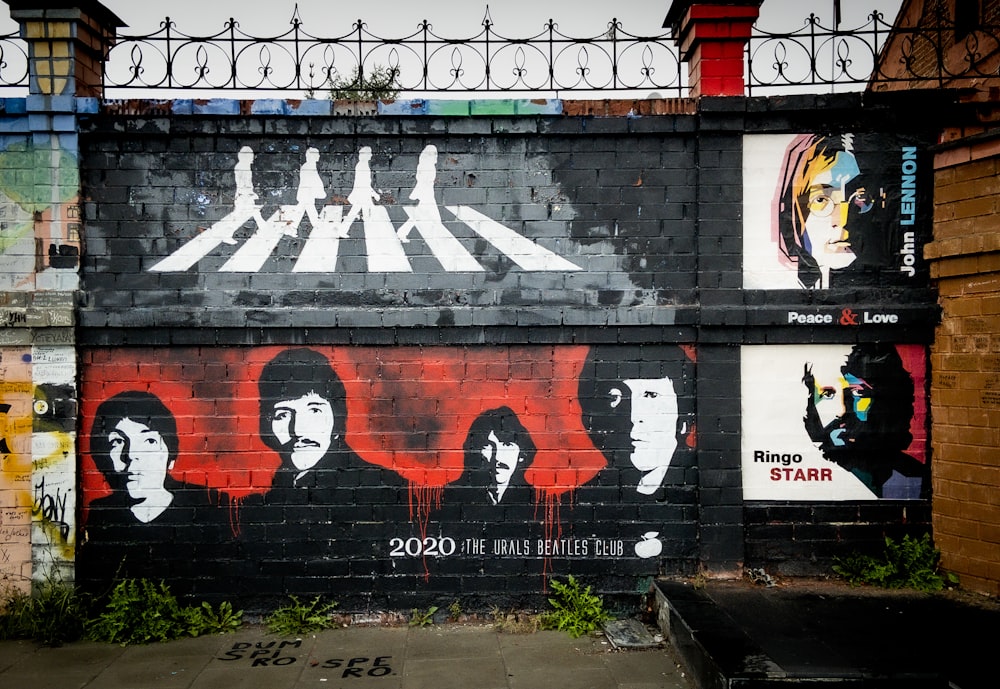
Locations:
(719, 635)
(452, 655)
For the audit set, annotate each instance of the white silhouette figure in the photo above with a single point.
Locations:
(310, 190)
(362, 197)
(245, 207)
(425, 217)
(383, 242)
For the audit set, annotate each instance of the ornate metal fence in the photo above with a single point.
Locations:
(422, 62)
(815, 57)
(616, 63)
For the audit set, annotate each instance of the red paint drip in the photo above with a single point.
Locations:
(552, 526)
(422, 501)
(235, 503)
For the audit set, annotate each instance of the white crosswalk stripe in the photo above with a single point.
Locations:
(319, 255)
(385, 246)
(521, 250)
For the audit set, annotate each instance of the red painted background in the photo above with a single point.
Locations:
(408, 409)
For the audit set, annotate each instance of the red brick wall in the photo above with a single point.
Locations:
(965, 361)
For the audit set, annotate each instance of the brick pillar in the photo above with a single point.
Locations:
(712, 38)
(964, 261)
(68, 43)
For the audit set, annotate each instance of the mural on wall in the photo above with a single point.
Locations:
(39, 213)
(833, 210)
(37, 464)
(640, 414)
(134, 446)
(15, 466)
(834, 422)
(384, 244)
(320, 462)
(53, 449)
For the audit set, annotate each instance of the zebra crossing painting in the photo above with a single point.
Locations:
(385, 245)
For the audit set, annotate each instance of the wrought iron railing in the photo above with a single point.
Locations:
(932, 48)
(422, 62)
(813, 58)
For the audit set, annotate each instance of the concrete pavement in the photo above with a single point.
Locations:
(715, 635)
(450, 655)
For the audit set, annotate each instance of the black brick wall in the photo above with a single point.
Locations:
(651, 211)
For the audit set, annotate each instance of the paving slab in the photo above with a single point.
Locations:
(13, 651)
(718, 635)
(463, 656)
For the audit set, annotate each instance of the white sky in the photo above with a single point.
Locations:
(451, 19)
(394, 19)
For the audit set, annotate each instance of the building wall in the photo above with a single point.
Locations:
(964, 399)
(568, 279)
(39, 271)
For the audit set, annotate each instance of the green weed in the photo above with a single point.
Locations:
(55, 614)
(377, 83)
(423, 618)
(203, 619)
(912, 563)
(140, 611)
(300, 618)
(577, 611)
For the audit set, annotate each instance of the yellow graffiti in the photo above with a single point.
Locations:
(15, 482)
(51, 505)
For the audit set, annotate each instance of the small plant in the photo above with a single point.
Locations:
(140, 611)
(912, 563)
(377, 83)
(203, 619)
(423, 618)
(455, 611)
(515, 622)
(577, 610)
(54, 615)
(301, 618)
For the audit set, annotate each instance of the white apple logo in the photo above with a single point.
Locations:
(650, 545)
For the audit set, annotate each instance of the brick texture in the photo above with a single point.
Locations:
(572, 276)
(965, 389)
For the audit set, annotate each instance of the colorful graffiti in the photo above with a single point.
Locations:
(15, 466)
(330, 228)
(395, 461)
(832, 422)
(39, 214)
(54, 476)
(37, 464)
(823, 210)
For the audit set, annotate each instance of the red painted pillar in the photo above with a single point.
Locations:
(712, 37)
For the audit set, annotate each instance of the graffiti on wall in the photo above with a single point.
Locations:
(825, 210)
(37, 464)
(423, 230)
(384, 461)
(39, 214)
(53, 449)
(834, 422)
(15, 466)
